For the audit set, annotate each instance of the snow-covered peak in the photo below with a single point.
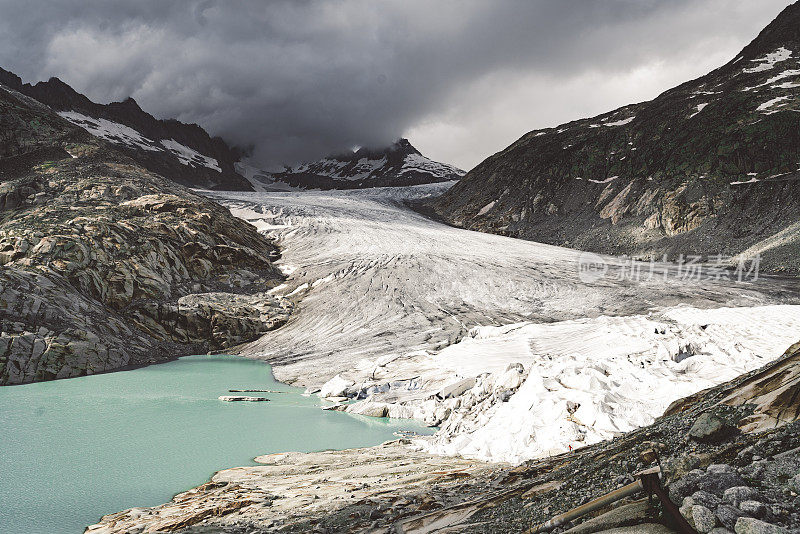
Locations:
(398, 164)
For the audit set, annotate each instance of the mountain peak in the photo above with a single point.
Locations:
(130, 103)
(58, 95)
(405, 146)
(401, 146)
(783, 31)
(10, 79)
(398, 164)
(713, 160)
(182, 152)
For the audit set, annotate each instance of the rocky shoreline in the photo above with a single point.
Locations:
(729, 456)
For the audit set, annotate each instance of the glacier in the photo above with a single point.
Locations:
(497, 341)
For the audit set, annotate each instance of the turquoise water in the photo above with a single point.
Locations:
(73, 450)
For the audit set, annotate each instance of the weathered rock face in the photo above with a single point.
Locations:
(181, 152)
(708, 167)
(105, 264)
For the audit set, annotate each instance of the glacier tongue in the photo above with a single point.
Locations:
(590, 379)
(495, 340)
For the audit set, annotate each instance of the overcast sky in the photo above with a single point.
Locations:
(298, 79)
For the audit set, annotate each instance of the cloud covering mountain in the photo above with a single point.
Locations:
(301, 79)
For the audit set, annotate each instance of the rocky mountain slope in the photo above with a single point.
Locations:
(729, 457)
(396, 165)
(182, 152)
(105, 264)
(709, 167)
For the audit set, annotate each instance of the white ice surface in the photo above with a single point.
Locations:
(402, 307)
(619, 373)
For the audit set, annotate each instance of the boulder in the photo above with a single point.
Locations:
(736, 495)
(749, 525)
(728, 515)
(704, 519)
(709, 428)
(718, 478)
(754, 508)
(704, 498)
(685, 486)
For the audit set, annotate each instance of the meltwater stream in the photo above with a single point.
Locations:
(73, 450)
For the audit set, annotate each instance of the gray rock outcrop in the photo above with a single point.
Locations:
(104, 264)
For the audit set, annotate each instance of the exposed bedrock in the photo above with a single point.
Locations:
(105, 264)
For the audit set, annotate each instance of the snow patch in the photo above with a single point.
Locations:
(752, 180)
(785, 74)
(419, 163)
(605, 181)
(698, 108)
(111, 131)
(364, 168)
(769, 103)
(768, 61)
(620, 123)
(190, 157)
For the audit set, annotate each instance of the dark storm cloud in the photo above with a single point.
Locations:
(300, 78)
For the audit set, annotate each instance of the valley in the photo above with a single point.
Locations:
(494, 339)
(606, 305)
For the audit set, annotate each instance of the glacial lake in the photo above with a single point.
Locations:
(74, 450)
